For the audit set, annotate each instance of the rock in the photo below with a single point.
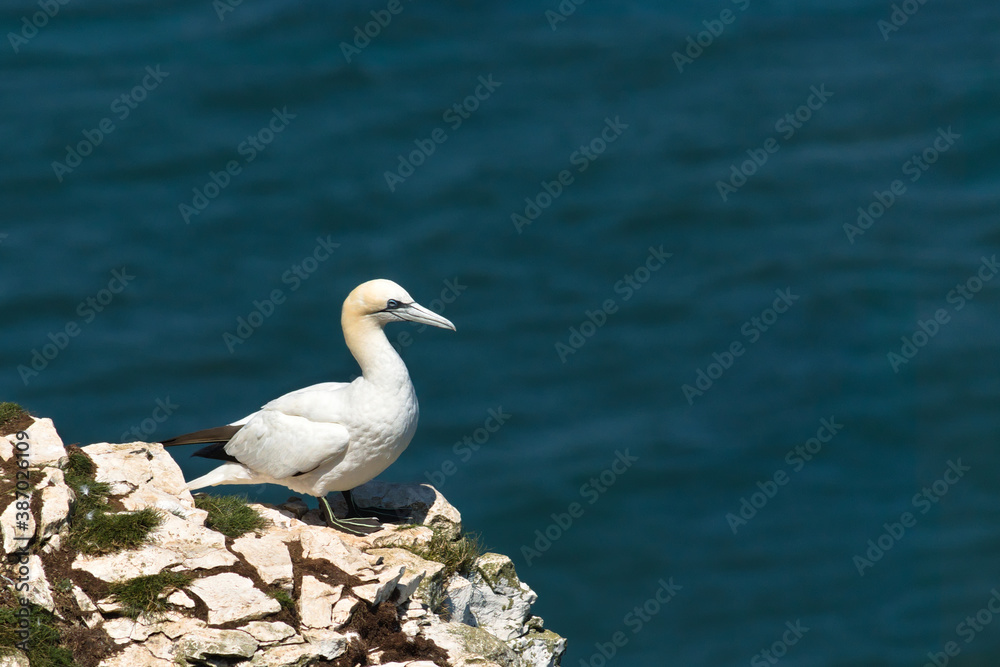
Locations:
(295, 506)
(135, 655)
(124, 630)
(493, 598)
(468, 646)
(55, 503)
(427, 506)
(201, 644)
(415, 569)
(326, 644)
(38, 591)
(539, 648)
(175, 542)
(269, 633)
(491, 624)
(46, 446)
(180, 599)
(386, 582)
(327, 544)
(11, 530)
(269, 556)
(316, 601)
(231, 597)
(144, 474)
(93, 616)
(13, 659)
(295, 655)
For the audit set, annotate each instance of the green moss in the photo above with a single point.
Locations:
(284, 598)
(230, 515)
(12, 418)
(146, 595)
(101, 532)
(44, 648)
(458, 556)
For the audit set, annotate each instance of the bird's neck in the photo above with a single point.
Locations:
(379, 361)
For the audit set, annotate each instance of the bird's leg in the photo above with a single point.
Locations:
(352, 525)
(385, 515)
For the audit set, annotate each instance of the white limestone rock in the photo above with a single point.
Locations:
(269, 633)
(9, 526)
(46, 446)
(316, 601)
(135, 655)
(231, 597)
(181, 599)
(39, 592)
(55, 503)
(175, 542)
(415, 569)
(144, 473)
(13, 658)
(269, 556)
(210, 642)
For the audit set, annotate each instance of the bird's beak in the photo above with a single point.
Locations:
(417, 313)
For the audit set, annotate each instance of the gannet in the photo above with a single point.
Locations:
(332, 436)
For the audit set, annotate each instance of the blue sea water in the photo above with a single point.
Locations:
(234, 153)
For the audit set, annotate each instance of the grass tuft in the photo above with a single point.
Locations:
(94, 530)
(230, 515)
(147, 595)
(100, 532)
(44, 648)
(13, 418)
(458, 556)
(284, 598)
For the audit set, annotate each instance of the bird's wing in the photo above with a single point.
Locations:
(324, 402)
(283, 445)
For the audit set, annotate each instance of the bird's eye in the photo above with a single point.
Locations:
(391, 304)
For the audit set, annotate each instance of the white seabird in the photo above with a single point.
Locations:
(331, 436)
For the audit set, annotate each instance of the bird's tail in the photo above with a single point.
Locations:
(208, 435)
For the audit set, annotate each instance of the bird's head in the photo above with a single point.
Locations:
(382, 301)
